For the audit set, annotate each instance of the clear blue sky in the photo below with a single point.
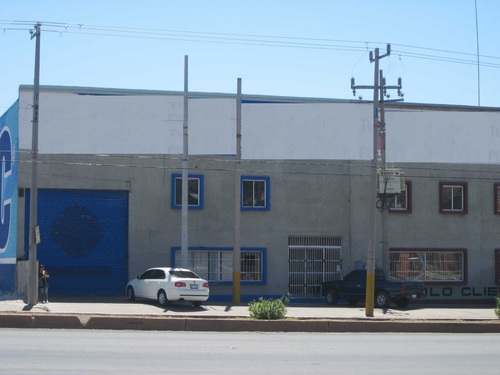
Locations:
(306, 48)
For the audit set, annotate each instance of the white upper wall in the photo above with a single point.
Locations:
(126, 123)
(123, 124)
(443, 136)
(307, 131)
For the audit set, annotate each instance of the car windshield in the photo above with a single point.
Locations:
(184, 274)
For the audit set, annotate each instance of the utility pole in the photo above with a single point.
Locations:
(237, 198)
(185, 179)
(370, 258)
(385, 199)
(385, 208)
(34, 236)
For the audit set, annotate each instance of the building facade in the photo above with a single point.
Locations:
(109, 181)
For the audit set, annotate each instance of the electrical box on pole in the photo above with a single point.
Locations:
(391, 181)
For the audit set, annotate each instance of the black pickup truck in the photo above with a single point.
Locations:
(353, 288)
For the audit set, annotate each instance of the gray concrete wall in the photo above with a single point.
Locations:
(310, 198)
(477, 231)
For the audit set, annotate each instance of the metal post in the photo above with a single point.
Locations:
(370, 258)
(184, 213)
(237, 200)
(33, 262)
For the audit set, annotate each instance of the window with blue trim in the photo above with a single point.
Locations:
(216, 265)
(195, 191)
(255, 193)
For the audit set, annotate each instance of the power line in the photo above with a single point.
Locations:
(267, 167)
(442, 55)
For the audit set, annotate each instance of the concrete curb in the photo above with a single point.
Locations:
(136, 323)
(16, 321)
(56, 321)
(159, 323)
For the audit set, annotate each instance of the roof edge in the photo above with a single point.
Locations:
(255, 98)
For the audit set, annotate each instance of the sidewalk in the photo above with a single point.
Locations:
(117, 313)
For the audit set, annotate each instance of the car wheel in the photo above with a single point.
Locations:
(197, 304)
(352, 302)
(382, 299)
(402, 303)
(332, 297)
(162, 298)
(130, 294)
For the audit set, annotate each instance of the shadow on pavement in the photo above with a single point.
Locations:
(170, 307)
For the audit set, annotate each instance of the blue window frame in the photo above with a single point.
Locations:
(255, 193)
(195, 191)
(215, 264)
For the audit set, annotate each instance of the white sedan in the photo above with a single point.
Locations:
(167, 285)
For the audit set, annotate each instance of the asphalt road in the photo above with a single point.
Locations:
(72, 352)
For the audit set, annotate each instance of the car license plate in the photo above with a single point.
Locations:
(413, 296)
(194, 286)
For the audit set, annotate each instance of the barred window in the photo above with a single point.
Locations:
(428, 265)
(217, 265)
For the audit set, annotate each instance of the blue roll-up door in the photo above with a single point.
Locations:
(84, 240)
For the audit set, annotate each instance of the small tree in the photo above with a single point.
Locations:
(497, 309)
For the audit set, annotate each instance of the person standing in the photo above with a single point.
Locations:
(43, 284)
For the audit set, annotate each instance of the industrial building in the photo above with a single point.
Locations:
(109, 199)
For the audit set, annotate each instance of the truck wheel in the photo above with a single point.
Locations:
(402, 303)
(332, 297)
(382, 299)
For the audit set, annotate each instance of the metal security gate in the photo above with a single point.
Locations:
(312, 260)
(84, 240)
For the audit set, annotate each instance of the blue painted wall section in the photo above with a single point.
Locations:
(9, 141)
(84, 240)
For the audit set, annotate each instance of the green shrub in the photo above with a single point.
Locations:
(268, 308)
(497, 309)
